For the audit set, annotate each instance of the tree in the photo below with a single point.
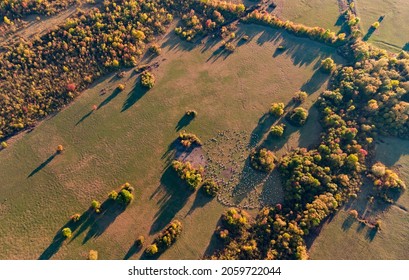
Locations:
(277, 130)
(66, 232)
(93, 255)
(277, 109)
(152, 249)
(375, 25)
(300, 96)
(147, 80)
(328, 65)
(76, 217)
(298, 116)
(210, 187)
(262, 160)
(125, 197)
(96, 205)
(60, 149)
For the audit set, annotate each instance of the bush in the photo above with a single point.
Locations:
(192, 176)
(152, 250)
(262, 160)
(210, 187)
(96, 205)
(230, 47)
(3, 145)
(66, 232)
(277, 130)
(189, 139)
(121, 87)
(353, 213)
(165, 239)
(191, 113)
(140, 240)
(113, 195)
(93, 255)
(277, 109)
(155, 49)
(60, 148)
(298, 116)
(125, 197)
(300, 97)
(328, 65)
(147, 80)
(375, 25)
(76, 217)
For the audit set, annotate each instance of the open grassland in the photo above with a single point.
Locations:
(323, 13)
(393, 32)
(360, 241)
(128, 139)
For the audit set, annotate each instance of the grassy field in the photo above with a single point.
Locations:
(323, 13)
(393, 32)
(364, 243)
(128, 139)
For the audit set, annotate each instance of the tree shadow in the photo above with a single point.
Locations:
(42, 165)
(263, 126)
(201, 200)
(347, 224)
(109, 98)
(368, 34)
(174, 195)
(84, 117)
(135, 248)
(134, 95)
(219, 53)
(406, 47)
(273, 190)
(371, 233)
(315, 82)
(58, 239)
(110, 210)
(249, 180)
(184, 121)
(215, 243)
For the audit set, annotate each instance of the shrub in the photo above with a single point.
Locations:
(277, 130)
(3, 145)
(192, 176)
(113, 195)
(191, 113)
(189, 139)
(93, 255)
(155, 49)
(378, 225)
(66, 232)
(230, 47)
(277, 109)
(378, 169)
(96, 205)
(152, 249)
(140, 240)
(300, 96)
(353, 213)
(147, 80)
(298, 116)
(328, 65)
(76, 217)
(166, 238)
(125, 197)
(60, 148)
(121, 87)
(210, 187)
(385, 178)
(262, 160)
(375, 25)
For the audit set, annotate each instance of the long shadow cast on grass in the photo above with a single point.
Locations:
(184, 121)
(215, 243)
(174, 195)
(84, 117)
(201, 200)
(42, 165)
(58, 239)
(136, 94)
(134, 249)
(109, 98)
